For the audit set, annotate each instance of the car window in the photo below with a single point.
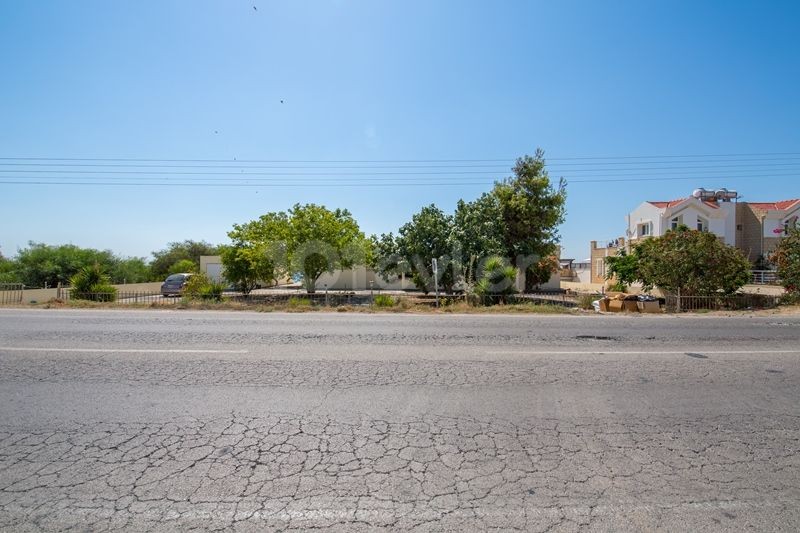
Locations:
(176, 277)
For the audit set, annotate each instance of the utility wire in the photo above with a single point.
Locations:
(506, 159)
(349, 183)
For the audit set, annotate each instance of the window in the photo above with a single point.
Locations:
(739, 227)
(675, 222)
(645, 230)
(702, 224)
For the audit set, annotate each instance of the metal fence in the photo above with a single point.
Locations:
(300, 299)
(764, 277)
(679, 304)
(11, 293)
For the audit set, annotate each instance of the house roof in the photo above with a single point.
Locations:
(781, 205)
(679, 201)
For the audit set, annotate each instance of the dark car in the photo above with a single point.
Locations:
(173, 285)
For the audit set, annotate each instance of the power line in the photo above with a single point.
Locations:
(58, 167)
(729, 169)
(349, 183)
(487, 160)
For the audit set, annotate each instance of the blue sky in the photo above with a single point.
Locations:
(386, 81)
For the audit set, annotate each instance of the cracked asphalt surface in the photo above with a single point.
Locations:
(177, 420)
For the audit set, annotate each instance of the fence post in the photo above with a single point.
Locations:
(678, 302)
(326, 295)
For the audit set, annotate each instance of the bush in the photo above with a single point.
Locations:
(104, 293)
(787, 258)
(91, 283)
(497, 281)
(296, 303)
(202, 287)
(384, 300)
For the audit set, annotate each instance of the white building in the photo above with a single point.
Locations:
(712, 211)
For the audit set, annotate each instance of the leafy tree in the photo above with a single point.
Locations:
(183, 265)
(256, 252)
(307, 241)
(427, 237)
(320, 240)
(787, 258)
(130, 270)
(92, 283)
(164, 259)
(40, 264)
(497, 282)
(477, 232)
(531, 211)
(386, 259)
(690, 262)
(624, 268)
(8, 269)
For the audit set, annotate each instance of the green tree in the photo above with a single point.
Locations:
(787, 258)
(256, 252)
(40, 264)
(690, 262)
(8, 270)
(477, 232)
(531, 210)
(321, 240)
(305, 242)
(386, 259)
(130, 270)
(163, 260)
(183, 266)
(426, 237)
(624, 268)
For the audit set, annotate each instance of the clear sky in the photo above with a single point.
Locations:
(383, 81)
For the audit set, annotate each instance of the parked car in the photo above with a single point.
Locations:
(174, 284)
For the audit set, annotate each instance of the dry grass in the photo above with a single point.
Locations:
(301, 305)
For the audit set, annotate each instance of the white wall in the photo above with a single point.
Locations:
(646, 212)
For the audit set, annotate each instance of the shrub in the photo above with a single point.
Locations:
(497, 281)
(91, 283)
(202, 287)
(384, 300)
(295, 302)
(787, 258)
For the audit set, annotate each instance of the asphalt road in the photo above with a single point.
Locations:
(171, 420)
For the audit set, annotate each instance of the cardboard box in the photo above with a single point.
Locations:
(616, 306)
(649, 307)
(630, 306)
(604, 305)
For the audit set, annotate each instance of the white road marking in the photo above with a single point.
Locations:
(642, 352)
(111, 350)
